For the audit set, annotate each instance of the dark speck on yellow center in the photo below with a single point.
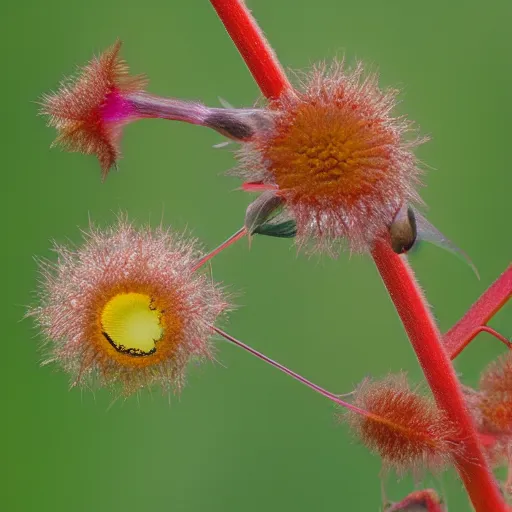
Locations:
(319, 152)
(131, 324)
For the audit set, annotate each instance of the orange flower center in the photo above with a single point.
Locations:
(324, 152)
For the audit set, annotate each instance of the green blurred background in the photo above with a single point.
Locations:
(242, 436)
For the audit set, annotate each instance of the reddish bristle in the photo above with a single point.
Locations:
(406, 429)
(122, 259)
(342, 161)
(495, 404)
(497, 377)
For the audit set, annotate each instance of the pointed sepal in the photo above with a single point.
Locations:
(429, 233)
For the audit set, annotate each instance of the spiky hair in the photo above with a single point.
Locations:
(495, 397)
(406, 429)
(122, 259)
(337, 155)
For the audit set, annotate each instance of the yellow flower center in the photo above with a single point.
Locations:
(131, 324)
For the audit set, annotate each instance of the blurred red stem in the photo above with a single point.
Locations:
(473, 322)
(433, 358)
(253, 47)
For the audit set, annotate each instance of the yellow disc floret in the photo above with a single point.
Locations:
(132, 324)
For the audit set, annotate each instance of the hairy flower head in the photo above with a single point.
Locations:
(89, 111)
(495, 397)
(337, 155)
(127, 307)
(405, 428)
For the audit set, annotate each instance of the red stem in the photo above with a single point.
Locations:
(291, 373)
(433, 358)
(224, 245)
(479, 314)
(496, 334)
(253, 47)
(397, 276)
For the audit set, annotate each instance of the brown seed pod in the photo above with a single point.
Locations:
(403, 230)
(89, 110)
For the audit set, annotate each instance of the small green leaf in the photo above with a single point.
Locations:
(286, 229)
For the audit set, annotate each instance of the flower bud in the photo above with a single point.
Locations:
(403, 230)
(266, 216)
(405, 428)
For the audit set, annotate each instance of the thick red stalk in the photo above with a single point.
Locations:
(397, 276)
(253, 47)
(435, 362)
(479, 314)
